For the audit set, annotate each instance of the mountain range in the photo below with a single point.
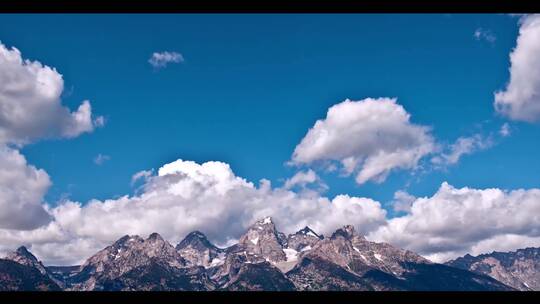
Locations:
(266, 259)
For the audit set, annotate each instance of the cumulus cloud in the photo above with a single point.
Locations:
(462, 146)
(369, 138)
(402, 201)
(186, 196)
(30, 104)
(162, 59)
(30, 110)
(303, 179)
(455, 221)
(100, 159)
(486, 35)
(521, 98)
(22, 188)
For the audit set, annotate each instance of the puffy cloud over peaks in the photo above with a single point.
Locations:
(456, 221)
(370, 138)
(185, 196)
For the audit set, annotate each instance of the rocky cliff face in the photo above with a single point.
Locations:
(262, 240)
(198, 251)
(347, 261)
(303, 240)
(126, 254)
(519, 269)
(263, 259)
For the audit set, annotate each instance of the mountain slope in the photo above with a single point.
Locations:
(263, 240)
(198, 251)
(125, 255)
(15, 277)
(347, 261)
(519, 269)
(26, 258)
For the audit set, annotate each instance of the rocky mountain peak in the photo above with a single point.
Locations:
(304, 239)
(126, 254)
(23, 256)
(155, 237)
(262, 240)
(199, 251)
(347, 232)
(266, 220)
(308, 231)
(22, 252)
(265, 259)
(518, 269)
(127, 240)
(196, 239)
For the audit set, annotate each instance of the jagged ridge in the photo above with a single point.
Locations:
(263, 259)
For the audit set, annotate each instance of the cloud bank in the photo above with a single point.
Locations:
(456, 221)
(185, 196)
(30, 110)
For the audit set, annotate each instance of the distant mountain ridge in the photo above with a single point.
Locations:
(263, 259)
(519, 269)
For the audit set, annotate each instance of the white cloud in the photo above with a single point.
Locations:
(457, 221)
(462, 146)
(143, 174)
(303, 179)
(370, 138)
(186, 196)
(162, 59)
(30, 110)
(505, 130)
(22, 188)
(521, 98)
(483, 34)
(402, 201)
(30, 105)
(100, 159)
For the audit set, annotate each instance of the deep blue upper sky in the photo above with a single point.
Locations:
(252, 85)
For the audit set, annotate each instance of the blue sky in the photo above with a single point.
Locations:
(252, 85)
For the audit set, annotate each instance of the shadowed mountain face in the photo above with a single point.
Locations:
(519, 269)
(24, 257)
(15, 276)
(263, 259)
